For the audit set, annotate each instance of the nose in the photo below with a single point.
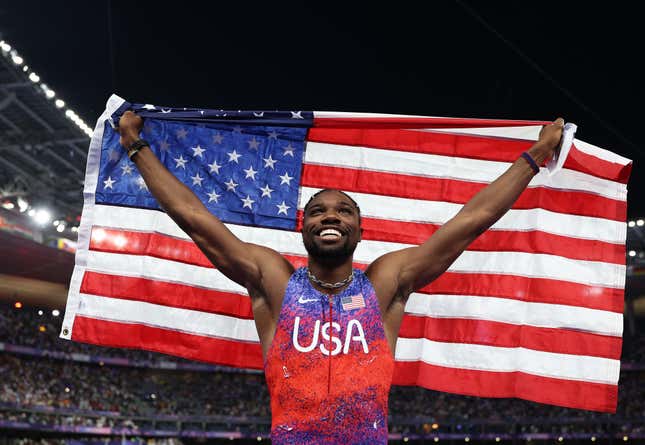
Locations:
(330, 217)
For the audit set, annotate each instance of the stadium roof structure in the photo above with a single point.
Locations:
(43, 143)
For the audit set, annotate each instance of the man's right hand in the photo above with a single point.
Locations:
(129, 128)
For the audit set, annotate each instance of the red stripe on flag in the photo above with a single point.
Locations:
(457, 191)
(167, 294)
(579, 160)
(195, 347)
(494, 333)
(395, 122)
(538, 290)
(535, 290)
(463, 146)
(496, 240)
(562, 392)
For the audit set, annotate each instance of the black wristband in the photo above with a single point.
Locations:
(531, 162)
(136, 146)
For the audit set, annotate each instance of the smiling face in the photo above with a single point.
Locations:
(331, 227)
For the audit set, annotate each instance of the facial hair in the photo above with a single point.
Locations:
(337, 253)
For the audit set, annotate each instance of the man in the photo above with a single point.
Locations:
(328, 331)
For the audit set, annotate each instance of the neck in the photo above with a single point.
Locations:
(330, 272)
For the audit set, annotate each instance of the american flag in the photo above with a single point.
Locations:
(533, 309)
(350, 302)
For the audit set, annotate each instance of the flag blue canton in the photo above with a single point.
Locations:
(243, 170)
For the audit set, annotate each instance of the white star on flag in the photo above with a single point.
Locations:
(250, 173)
(141, 183)
(126, 169)
(217, 138)
(107, 184)
(285, 179)
(149, 107)
(181, 133)
(296, 115)
(288, 151)
(113, 155)
(248, 202)
(213, 196)
(234, 156)
(197, 151)
(269, 162)
(282, 208)
(253, 144)
(230, 185)
(266, 191)
(164, 145)
(214, 167)
(181, 162)
(273, 135)
(197, 180)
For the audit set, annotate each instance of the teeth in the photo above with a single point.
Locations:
(332, 232)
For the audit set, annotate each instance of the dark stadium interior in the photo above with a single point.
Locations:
(511, 60)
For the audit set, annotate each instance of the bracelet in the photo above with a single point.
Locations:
(531, 162)
(136, 146)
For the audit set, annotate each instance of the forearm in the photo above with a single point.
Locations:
(491, 203)
(177, 200)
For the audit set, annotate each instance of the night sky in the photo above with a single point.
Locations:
(511, 60)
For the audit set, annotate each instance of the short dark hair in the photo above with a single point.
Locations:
(334, 190)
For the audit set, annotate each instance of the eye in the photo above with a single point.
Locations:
(345, 210)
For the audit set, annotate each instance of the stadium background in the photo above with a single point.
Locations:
(57, 68)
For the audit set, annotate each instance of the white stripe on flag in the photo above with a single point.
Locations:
(516, 312)
(184, 320)
(437, 212)
(499, 359)
(449, 167)
(593, 273)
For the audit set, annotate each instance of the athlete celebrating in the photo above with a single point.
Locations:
(328, 331)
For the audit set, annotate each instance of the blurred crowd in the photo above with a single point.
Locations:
(93, 394)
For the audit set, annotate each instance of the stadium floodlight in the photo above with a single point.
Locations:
(405, 439)
(35, 78)
(259, 438)
(593, 438)
(8, 205)
(631, 224)
(15, 58)
(22, 204)
(55, 312)
(560, 439)
(436, 439)
(497, 439)
(31, 212)
(625, 438)
(632, 253)
(59, 103)
(640, 222)
(5, 46)
(60, 228)
(40, 312)
(50, 94)
(466, 439)
(42, 217)
(17, 305)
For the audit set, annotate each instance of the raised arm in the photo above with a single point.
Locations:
(397, 274)
(261, 270)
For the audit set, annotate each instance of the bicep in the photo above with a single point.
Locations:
(240, 261)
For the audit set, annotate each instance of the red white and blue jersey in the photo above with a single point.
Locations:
(329, 367)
